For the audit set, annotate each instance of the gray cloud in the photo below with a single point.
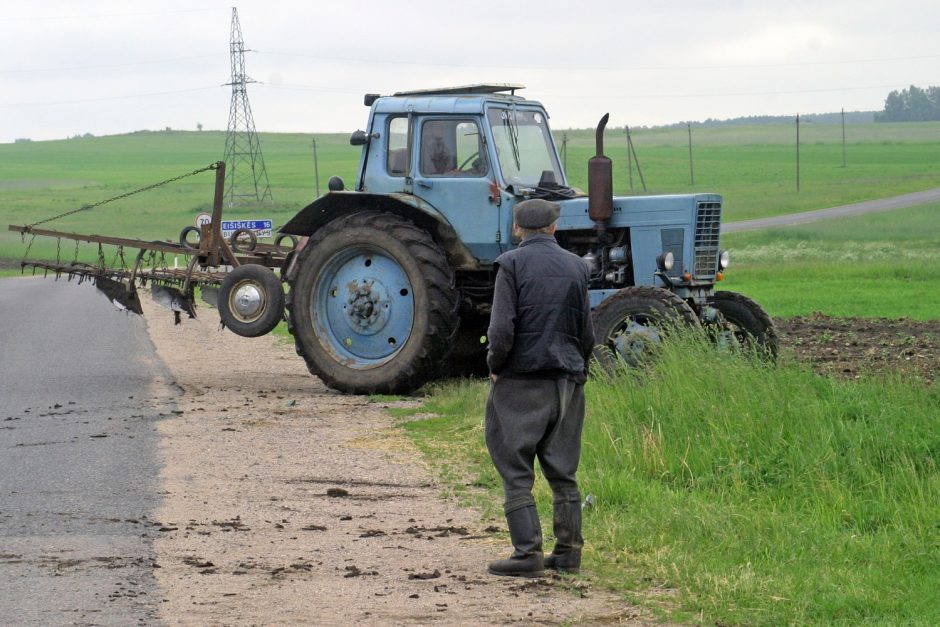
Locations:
(111, 67)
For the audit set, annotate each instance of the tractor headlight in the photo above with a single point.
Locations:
(665, 261)
(724, 259)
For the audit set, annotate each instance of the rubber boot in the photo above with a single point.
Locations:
(566, 556)
(526, 535)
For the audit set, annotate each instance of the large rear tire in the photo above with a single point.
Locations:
(630, 325)
(373, 307)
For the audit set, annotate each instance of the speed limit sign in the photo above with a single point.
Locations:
(202, 219)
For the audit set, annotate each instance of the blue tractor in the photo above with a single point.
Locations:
(393, 285)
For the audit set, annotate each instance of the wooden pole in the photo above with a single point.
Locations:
(626, 130)
(564, 152)
(797, 152)
(843, 137)
(636, 160)
(316, 167)
(691, 169)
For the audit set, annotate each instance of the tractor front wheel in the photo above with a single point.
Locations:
(746, 322)
(630, 325)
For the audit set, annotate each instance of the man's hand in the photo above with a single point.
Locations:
(493, 377)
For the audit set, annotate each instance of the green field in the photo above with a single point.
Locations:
(42, 179)
(876, 265)
(752, 166)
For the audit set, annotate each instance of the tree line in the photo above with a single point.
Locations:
(911, 105)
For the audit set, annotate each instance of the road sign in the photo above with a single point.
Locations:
(261, 228)
(203, 218)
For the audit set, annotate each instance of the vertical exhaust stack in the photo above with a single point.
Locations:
(600, 183)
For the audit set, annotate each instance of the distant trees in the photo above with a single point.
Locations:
(911, 105)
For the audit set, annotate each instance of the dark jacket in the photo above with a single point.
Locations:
(541, 320)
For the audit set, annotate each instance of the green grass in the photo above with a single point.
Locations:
(757, 495)
(876, 265)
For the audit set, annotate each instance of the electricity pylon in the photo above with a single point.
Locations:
(246, 178)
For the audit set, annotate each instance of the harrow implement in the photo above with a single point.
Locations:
(242, 269)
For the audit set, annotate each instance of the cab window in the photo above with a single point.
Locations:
(452, 148)
(396, 162)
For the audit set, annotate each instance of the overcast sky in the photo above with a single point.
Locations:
(105, 67)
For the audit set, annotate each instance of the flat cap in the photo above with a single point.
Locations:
(535, 213)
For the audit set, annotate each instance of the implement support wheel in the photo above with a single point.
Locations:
(251, 300)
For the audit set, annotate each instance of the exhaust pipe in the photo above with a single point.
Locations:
(600, 183)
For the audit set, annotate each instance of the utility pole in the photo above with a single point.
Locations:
(246, 179)
(564, 152)
(797, 152)
(316, 167)
(626, 130)
(843, 137)
(691, 169)
(636, 160)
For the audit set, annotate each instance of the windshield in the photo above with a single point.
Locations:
(524, 148)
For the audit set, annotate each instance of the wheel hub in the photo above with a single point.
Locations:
(364, 305)
(636, 341)
(248, 301)
(367, 306)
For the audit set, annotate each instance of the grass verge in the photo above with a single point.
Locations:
(731, 491)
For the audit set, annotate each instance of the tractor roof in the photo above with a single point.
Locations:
(479, 88)
(465, 100)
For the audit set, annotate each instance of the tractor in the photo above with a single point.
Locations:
(392, 283)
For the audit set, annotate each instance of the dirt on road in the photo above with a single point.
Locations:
(287, 503)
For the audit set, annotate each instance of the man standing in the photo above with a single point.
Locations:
(540, 339)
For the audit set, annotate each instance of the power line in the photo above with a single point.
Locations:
(104, 98)
(753, 93)
(652, 68)
(94, 16)
(108, 65)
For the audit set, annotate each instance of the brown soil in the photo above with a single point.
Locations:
(852, 346)
(287, 503)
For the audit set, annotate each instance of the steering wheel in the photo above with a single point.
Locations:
(471, 159)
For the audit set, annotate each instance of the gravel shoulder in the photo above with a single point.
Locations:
(285, 502)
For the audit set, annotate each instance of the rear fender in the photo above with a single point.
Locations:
(338, 204)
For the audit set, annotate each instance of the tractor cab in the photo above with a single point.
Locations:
(467, 152)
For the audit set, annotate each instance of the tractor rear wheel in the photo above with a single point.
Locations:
(630, 324)
(747, 321)
(373, 307)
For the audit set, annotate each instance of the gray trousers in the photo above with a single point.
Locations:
(535, 418)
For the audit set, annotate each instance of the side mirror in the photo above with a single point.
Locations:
(358, 138)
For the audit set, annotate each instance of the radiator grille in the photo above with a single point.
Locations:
(707, 230)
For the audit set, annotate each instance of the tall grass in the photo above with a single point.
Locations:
(756, 494)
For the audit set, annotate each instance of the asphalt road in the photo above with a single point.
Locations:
(870, 206)
(81, 391)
